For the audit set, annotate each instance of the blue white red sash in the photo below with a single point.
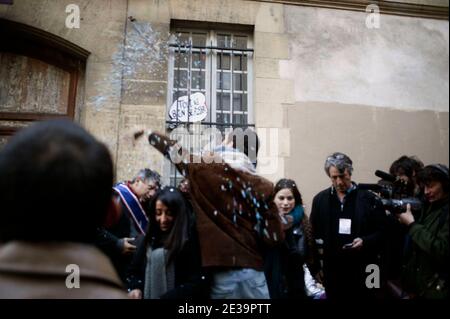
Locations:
(130, 200)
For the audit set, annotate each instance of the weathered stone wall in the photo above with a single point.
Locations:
(102, 33)
(322, 79)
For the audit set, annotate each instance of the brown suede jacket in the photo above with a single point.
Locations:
(234, 211)
(40, 270)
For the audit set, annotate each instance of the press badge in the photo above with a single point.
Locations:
(345, 226)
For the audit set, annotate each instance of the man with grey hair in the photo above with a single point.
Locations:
(120, 238)
(349, 221)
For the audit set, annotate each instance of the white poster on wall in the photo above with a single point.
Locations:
(195, 112)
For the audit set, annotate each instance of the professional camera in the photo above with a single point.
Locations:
(394, 193)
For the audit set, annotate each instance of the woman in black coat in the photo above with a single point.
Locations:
(284, 262)
(168, 263)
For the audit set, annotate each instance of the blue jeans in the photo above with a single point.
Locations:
(243, 283)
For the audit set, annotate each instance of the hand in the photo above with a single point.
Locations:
(319, 277)
(356, 244)
(135, 294)
(128, 247)
(407, 217)
(287, 221)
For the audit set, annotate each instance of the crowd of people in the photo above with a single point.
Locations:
(224, 233)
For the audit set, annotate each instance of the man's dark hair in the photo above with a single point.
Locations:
(406, 165)
(339, 160)
(435, 173)
(55, 184)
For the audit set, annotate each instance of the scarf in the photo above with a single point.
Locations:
(159, 279)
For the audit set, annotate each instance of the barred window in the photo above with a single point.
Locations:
(210, 84)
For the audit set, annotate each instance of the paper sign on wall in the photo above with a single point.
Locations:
(195, 112)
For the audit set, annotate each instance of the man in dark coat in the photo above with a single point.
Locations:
(349, 221)
(119, 240)
(55, 190)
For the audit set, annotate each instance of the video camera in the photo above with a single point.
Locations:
(395, 193)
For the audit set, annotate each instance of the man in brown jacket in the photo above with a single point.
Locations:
(55, 190)
(235, 215)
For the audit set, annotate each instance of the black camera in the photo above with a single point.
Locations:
(394, 193)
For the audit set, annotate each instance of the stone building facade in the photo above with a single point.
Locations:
(313, 77)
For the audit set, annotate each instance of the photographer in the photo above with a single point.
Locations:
(425, 273)
(405, 170)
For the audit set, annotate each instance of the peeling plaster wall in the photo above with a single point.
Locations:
(374, 94)
(124, 85)
(322, 79)
(334, 57)
(143, 95)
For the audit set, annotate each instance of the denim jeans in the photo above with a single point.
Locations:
(243, 283)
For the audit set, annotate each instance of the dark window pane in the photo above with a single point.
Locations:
(223, 118)
(240, 102)
(237, 102)
(198, 60)
(198, 80)
(240, 63)
(239, 118)
(174, 181)
(180, 79)
(223, 101)
(199, 39)
(244, 102)
(239, 82)
(240, 42)
(176, 95)
(224, 40)
(182, 38)
(223, 61)
(223, 81)
(181, 60)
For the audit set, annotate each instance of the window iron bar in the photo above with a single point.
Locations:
(187, 47)
(210, 123)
